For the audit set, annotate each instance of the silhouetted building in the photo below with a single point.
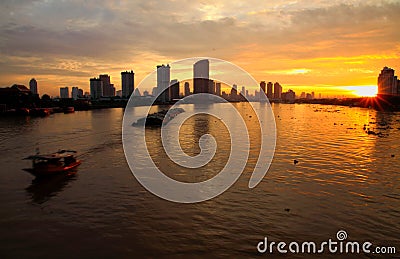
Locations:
(64, 92)
(243, 92)
(112, 90)
(269, 90)
(108, 88)
(33, 86)
(201, 77)
(174, 89)
(211, 86)
(75, 93)
(187, 89)
(388, 84)
(119, 93)
(303, 95)
(262, 86)
(96, 88)
(218, 89)
(16, 96)
(289, 96)
(163, 80)
(127, 83)
(277, 91)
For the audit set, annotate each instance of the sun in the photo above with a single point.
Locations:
(364, 90)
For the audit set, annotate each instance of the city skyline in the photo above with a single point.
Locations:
(332, 47)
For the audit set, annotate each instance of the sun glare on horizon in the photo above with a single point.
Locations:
(364, 90)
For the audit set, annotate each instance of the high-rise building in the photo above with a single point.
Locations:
(243, 92)
(218, 89)
(211, 86)
(277, 91)
(174, 89)
(269, 90)
(387, 82)
(289, 96)
(262, 86)
(64, 92)
(112, 90)
(75, 93)
(163, 80)
(127, 83)
(33, 86)
(187, 89)
(201, 70)
(107, 86)
(96, 88)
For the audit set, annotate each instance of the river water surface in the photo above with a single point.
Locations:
(346, 179)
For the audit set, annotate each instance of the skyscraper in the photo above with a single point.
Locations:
(75, 92)
(107, 86)
(387, 82)
(163, 80)
(201, 70)
(64, 92)
(269, 90)
(33, 86)
(262, 86)
(218, 89)
(187, 89)
(127, 83)
(174, 89)
(96, 88)
(277, 91)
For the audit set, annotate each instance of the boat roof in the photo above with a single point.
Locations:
(54, 156)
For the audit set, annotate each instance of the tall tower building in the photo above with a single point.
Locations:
(33, 86)
(75, 92)
(127, 83)
(107, 86)
(201, 75)
(64, 92)
(218, 89)
(163, 80)
(387, 82)
(269, 90)
(96, 88)
(174, 89)
(187, 89)
(262, 86)
(277, 91)
(243, 92)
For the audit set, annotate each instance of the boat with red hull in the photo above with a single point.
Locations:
(62, 161)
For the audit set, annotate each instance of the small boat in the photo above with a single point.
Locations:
(59, 162)
(158, 118)
(69, 110)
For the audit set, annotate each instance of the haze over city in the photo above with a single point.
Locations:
(329, 47)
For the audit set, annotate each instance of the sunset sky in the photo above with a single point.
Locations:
(331, 47)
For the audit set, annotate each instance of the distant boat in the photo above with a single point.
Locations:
(69, 110)
(158, 118)
(59, 162)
